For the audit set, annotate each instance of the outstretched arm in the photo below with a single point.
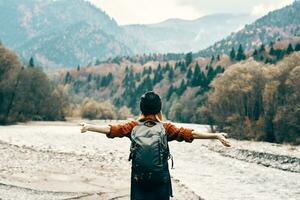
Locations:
(219, 136)
(105, 129)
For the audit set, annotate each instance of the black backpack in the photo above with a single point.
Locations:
(149, 152)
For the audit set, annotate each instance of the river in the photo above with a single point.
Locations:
(53, 160)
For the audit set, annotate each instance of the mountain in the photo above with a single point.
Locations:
(276, 25)
(72, 32)
(178, 35)
(66, 32)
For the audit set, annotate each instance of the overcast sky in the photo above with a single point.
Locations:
(153, 11)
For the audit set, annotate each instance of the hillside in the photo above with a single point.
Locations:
(279, 24)
(64, 32)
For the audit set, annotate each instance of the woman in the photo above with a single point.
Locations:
(150, 106)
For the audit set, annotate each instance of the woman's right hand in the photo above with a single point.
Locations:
(84, 127)
(222, 138)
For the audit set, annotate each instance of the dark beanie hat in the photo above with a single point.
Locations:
(150, 103)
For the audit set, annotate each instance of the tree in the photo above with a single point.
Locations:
(262, 48)
(10, 69)
(124, 113)
(78, 68)
(181, 88)
(31, 62)
(97, 62)
(89, 79)
(212, 59)
(68, 78)
(188, 58)
(297, 48)
(158, 76)
(232, 54)
(170, 92)
(189, 74)
(255, 54)
(240, 54)
(167, 67)
(171, 74)
(290, 49)
(196, 80)
(272, 51)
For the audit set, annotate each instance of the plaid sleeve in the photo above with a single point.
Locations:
(121, 130)
(178, 133)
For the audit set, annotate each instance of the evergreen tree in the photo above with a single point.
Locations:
(210, 74)
(170, 92)
(290, 49)
(212, 59)
(158, 67)
(145, 71)
(158, 76)
(148, 83)
(279, 54)
(240, 54)
(196, 80)
(78, 68)
(150, 70)
(182, 66)
(98, 82)
(297, 48)
(181, 88)
(171, 74)
(89, 78)
(218, 58)
(97, 62)
(137, 76)
(31, 62)
(272, 51)
(188, 58)
(189, 74)
(168, 67)
(68, 78)
(255, 54)
(262, 48)
(232, 54)
(76, 86)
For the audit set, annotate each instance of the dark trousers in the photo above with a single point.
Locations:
(145, 191)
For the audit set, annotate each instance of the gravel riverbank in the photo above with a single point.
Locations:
(53, 160)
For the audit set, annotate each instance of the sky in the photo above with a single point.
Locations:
(153, 11)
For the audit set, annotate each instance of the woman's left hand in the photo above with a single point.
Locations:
(84, 127)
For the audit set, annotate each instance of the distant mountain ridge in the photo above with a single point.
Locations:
(179, 35)
(276, 25)
(72, 32)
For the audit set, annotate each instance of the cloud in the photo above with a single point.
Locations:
(145, 11)
(264, 8)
